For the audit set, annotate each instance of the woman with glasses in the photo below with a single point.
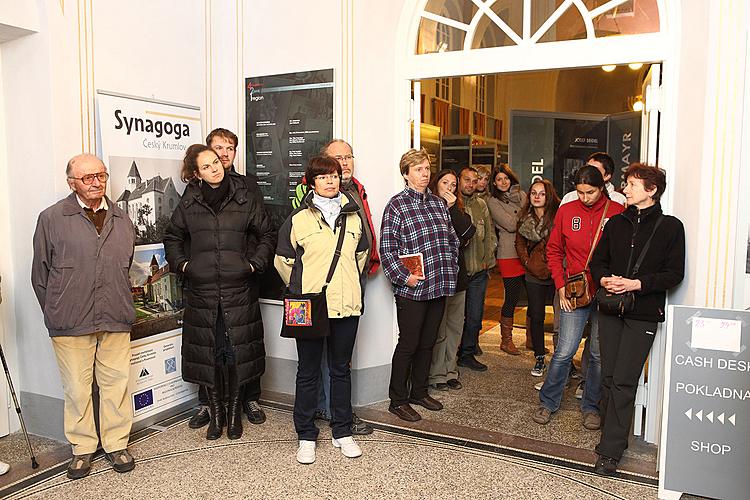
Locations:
(219, 238)
(307, 242)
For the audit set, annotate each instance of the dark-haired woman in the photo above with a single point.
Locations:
(307, 242)
(505, 204)
(443, 371)
(534, 226)
(219, 238)
(625, 339)
(575, 232)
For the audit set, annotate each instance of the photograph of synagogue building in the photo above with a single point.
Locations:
(558, 96)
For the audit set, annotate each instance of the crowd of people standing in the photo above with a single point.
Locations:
(440, 238)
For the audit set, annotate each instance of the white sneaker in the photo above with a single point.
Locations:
(4, 468)
(306, 452)
(349, 447)
(538, 385)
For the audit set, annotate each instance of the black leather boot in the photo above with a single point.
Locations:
(216, 409)
(234, 406)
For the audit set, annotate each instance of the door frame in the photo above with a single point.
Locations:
(661, 47)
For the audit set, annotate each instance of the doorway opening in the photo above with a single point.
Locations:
(543, 124)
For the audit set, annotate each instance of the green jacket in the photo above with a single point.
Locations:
(480, 253)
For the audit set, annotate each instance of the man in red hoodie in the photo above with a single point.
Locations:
(576, 231)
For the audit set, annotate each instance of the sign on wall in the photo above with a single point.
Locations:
(143, 143)
(554, 146)
(705, 441)
(289, 117)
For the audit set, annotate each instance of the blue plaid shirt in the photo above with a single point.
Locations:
(416, 222)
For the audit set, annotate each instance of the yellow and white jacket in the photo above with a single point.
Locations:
(305, 250)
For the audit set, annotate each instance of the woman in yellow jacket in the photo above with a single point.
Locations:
(307, 241)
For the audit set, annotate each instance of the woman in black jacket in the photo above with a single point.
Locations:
(625, 339)
(220, 238)
(443, 371)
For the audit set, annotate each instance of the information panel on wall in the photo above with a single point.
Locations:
(554, 146)
(705, 441)
(143, 142)
(289, 117)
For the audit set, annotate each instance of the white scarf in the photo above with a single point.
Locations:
(329, 207)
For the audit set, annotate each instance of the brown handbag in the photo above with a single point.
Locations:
(577, 289)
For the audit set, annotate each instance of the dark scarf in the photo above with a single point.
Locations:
(214, 196)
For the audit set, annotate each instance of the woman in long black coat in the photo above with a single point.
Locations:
(220, 238)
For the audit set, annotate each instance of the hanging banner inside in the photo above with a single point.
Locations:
(289, 117)
(143, 143)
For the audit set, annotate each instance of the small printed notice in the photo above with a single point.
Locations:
(716, 334)
(414, 263)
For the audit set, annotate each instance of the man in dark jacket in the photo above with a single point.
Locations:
(224, 143)
(83, 247)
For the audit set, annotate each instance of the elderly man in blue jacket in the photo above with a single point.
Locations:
(83, 247)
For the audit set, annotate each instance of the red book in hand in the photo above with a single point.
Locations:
(414, 263)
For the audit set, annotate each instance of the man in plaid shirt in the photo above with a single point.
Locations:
(416, 221)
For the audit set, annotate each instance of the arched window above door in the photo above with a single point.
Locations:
(455, 25)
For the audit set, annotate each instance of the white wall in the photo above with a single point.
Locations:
(49, 81)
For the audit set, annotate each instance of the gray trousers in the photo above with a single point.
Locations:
(445, 352)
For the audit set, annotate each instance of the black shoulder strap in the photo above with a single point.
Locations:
(645, 248)
(337, 253)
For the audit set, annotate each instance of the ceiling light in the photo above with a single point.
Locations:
(609, 68)
(638, 105)
(635, 66)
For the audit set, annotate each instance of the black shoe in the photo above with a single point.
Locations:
(321, 415)
(360, 427)
(441, 386)
(254, 412)
(471, 363)
(217, 413)
(606, 466)
(199, 418)
(454, 384)
(427, 402)
(405, 412)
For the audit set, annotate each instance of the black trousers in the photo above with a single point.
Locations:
(624, 346)
(340, 344)
(537, 295)
(418, 323)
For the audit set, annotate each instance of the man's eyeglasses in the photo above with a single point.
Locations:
(344, 157)
(88, 179)
(327, 177)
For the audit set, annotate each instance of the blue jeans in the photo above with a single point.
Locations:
(473, 313)
(571, 330)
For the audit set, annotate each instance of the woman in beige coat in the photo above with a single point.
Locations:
(505, 206)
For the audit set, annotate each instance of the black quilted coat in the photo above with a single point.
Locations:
(219, 249)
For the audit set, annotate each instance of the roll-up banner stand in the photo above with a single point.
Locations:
(143, 142)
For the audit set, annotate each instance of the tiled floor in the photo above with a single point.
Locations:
(180, 463)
